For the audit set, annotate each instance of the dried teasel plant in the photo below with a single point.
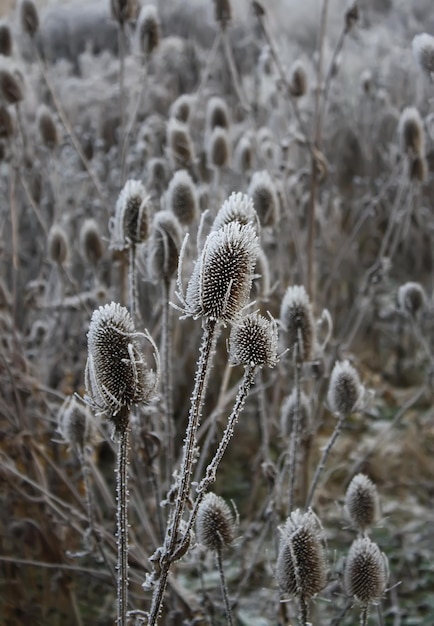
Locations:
(29, 17)
(411, 132)
(181, 197)
(217, 114)
(148, 29)
(263, 193)
(91, 243)
(217, 146)
(130, 224)
(423, 50)
(297, 83)
(5, 39)
(58, 245)
(47, 127)
(179, 144)
(362, 503)
(411, 298)
(297, 320)
(237, 208)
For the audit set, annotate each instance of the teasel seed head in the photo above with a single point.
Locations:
(117, 375)
(74, 423)
(6, 123)
(287, 414)
(253, 342)
(411, 132)
(301, 568)
(29, 17)
(123, 10)
(148, 29)
(351, 15)
(91, 245)
(222, 277)
(11, 84)
(237, 208)
(423, 51)
(217, 114)
(164, 246)
(411, 298)
(218, 151)
(5, 39)
(47, 127)
(263, 193)
(182, 197)
(297, 80)
(366, 571)
(297, 319)
(345, 390)
(215, 525)
(362, 503)
(418, 169)
(130, 223)
(223, 12)
(243, 155)
(181, 108)
(58, 245)
(179, 144)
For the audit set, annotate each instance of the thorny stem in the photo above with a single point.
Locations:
(224, 587)
(132, 282)
(322, 462)
(121, 44)
(295, 431)
(303, 611)
(166, 351)
(125, 140)
(263, 419)
(122, 526)
(364, 615)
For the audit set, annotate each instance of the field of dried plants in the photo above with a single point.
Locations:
(217, 313)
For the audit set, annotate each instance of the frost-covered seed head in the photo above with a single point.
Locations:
(253, 341)
(220, 284)
(423, 51)
(263, 193)
(6, 123)
(5, 39)
(181, 108)
(11, 84)
(58, 245)
(243, 155)
(215, 525)
(182, 197)
(123, 10)
(297, 319)
(74, 423)
(411, 298)
(164, 245)
(116, 374)
(411, 132)
(297, 80)
(216, 114)
(223, 12)
(218, 147)
(91, 244)
(179, 145)
(148, 29)
(301, 568)
(130, 223)
(366, 571)
(345, 391)
(47, 127)
(362, 503)
(237, 208)
(29, 17)
(287, 414)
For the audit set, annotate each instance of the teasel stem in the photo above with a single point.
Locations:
(236, 81)
(166, 350)
(303, 610)
(364, 613)
(87, 491)
(295, 431)
(262, 408)
(125, 140)
(335, 434)
(121, 44)
(122, 522)
(224, 587)
(132, 283)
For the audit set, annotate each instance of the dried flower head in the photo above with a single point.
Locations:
(218, 147)
(253, 341)
(263, 193)
(362, 502)
(116, 374)
(297, 83)
(179, 144)
(411, 132)
(29, 17)
(345, 390)
(157, 176)
(6, 123)
(5, 39)
(11, 83)
(411, 298)
(217, 114)
(366, 571)
(130, 223)
(58, 245)
(74, 423)
(237, 208)
(423, 50)
(182, 197)
(164, 245)
(215, 525)
(91, 244)
(223, 12)
(288, 412)
(148, 29)
(220, 284)
(123, 10)
(243, 155)
(47, 127)
(301, 568)
(181, 108)
(297, 319)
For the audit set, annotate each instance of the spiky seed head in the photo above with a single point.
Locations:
(418, 169)
(123, 10)
(366, 571)
(182, 197)
(423, 51)
(47, 127)
(411, 132)
(297, 83)
(117, 375)
(263, 193)
(217, 114)
(74, 423)
(297, 319)
(179, 144)
(411, 298)
(91, 245)
(222, 277)
(345, 390)
(288, 412)
(181, 108)
(237, 208)
(218, 147)
(164, 245)
(5, 39)
(301, 568)
(11, 84)
(6, 123)
(29, 17)
(362, 503)
(223, 12)
(148, 29)
(157, 174)
(253, 341)
(215, 525)
(243, 155)
(58, 245)
(131, 219)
